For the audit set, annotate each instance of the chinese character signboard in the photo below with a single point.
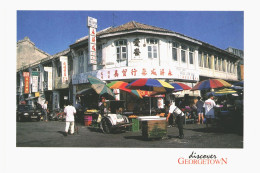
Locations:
(35, 75)
(64, 69)
(49, 70)
(122, 73)
(92, 25)
(147, 72)
(26, 76)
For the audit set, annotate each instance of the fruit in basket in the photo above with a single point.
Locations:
(161, 114)
(132, 116)
(91, 111)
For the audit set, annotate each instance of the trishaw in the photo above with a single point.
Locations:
(113, 119)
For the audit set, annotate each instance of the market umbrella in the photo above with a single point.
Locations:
(240, 83)
(180, 86)
(151, 85)
(121, 85)
(225, 91)
(100, 87)
(211, 84)
(222, 92)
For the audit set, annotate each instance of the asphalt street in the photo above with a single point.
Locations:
(51, 134)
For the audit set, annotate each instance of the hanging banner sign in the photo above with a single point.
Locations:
(160, 103)
(35, 77)
(64, 68)
(92, 25)
(49, 70)
(26, 76)
(34, 83)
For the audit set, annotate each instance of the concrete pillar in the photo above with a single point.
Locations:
(30, 83)
(74, 95)
(202, 59)
(212, 63)
(196, 59)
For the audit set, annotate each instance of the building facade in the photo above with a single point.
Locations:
(133, 51)
(28, 53)
(240, 68)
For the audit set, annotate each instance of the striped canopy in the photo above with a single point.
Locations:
(210, 84)
(222, 92)
(100, 87)
(150, 85)
(240, 83)
(225, 91)
(121, 85)
(180, 86)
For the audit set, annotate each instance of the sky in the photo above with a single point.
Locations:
(54, 31)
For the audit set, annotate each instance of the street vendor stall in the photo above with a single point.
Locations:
(153, 126)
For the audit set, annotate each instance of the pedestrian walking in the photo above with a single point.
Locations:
(179, 118)
(209, 110)
(70, 120)
(200, 110)
(45, 111)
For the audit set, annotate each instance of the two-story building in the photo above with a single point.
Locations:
(135, 50)
(128, 52)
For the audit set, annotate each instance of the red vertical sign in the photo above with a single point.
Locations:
(26, 76)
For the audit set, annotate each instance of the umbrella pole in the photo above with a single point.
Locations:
(150, 106)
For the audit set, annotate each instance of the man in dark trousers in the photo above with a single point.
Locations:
(179, 118)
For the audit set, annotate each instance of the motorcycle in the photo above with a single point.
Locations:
(57, 115)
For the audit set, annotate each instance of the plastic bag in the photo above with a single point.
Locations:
(99, 118)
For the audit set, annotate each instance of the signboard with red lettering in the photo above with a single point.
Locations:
(64, 69)
(122, 73)
(148, 72)
(26, 76)
(92, 24)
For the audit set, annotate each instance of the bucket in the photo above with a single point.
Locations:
(87, 120)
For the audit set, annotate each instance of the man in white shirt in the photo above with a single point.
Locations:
(209, 109)
(179, 118)
(69, 111)
(45, 110)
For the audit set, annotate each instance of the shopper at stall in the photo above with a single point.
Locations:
(45, 111)
(171, 118)
(209, 110)
(102, 106)
(179, 118)
(69, 111)
(200, 110)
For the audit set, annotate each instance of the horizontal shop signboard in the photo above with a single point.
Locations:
(137, 73)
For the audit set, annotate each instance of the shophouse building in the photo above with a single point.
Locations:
(44, 80)
(135, 50)
(240, 53)
(128, 52)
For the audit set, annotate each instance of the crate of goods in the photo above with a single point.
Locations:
(135, 125)
(87, 120)
(154, 127)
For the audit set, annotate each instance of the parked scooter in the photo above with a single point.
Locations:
(57, 115)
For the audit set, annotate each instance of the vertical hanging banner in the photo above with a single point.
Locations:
(35, 75)
(64, 69)
(26, 76)
(92, 25)
(49, 70)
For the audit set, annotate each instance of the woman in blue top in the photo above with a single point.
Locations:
(199, 106)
